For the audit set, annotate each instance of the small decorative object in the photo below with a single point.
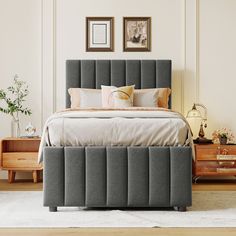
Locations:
(99, 34)
(222, 136)
(30, 130)
(136, 34)
(194, 113)
(14, 98)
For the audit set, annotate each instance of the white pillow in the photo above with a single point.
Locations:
(80, 97)
(90, 98)
(146, 98)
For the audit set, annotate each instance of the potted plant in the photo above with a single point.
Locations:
(222, 136)
(14, 97)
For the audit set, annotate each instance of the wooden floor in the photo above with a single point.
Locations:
(121, 232)
(20, 185)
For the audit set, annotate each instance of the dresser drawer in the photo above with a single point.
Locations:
(20, 160)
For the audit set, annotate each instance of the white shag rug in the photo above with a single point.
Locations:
(210, 209)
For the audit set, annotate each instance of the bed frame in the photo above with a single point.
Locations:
(117, 177)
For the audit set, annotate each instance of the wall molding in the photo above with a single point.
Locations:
(197, 50)
(42, 33)
(48, 60)
(54, 55)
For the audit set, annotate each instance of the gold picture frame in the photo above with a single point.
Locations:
(136, 34)
(99, 34)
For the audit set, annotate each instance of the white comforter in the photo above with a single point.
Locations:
(104, 127)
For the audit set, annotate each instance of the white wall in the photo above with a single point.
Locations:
(198, 35)
(217, 61)
(20, 53)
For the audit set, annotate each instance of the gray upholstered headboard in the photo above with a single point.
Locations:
(94, 73)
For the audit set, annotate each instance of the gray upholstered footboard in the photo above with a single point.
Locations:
(117, 177)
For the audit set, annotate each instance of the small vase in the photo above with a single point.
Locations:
(15, 128)
(223, 140)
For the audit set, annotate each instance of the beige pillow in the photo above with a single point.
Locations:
(163, 95)
(114, 97)
(81, 97)
(146, 98)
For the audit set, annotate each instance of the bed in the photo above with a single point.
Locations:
(110, 174)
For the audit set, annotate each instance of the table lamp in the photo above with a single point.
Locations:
(195, 113)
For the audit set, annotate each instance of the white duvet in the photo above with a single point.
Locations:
(108, 127)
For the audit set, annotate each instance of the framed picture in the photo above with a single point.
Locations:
(99, 34)
(136, 34)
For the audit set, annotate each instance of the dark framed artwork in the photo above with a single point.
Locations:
(136, 34)
(99, 34)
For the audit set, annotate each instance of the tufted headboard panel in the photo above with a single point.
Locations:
(94, 73)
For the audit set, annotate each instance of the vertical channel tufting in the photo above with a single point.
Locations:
(102, 73)
(95, 177)
(148, 74)
(88, 71)
(73, 77)
(74, 176)
(118, 73)
(92, 74)
(138, 176)
(117, 176)
(133, 73)
(181, 176)
(163, 73)
(53, 176)
(159, 176)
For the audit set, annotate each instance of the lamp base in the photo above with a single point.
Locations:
(203, 140)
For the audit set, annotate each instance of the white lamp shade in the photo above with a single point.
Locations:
(194, 113)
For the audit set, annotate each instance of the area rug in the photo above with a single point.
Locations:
(210, 209)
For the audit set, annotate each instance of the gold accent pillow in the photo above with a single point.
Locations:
(114, 97)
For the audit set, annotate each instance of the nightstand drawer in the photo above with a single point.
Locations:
(20, 160)
(211, 153)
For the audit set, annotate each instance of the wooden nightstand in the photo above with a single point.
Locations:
(20, 154)
(214, 160)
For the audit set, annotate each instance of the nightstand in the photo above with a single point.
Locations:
(214, 160)
(20, 154)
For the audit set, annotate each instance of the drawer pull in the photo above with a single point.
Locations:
(226, 157)
(21, 159)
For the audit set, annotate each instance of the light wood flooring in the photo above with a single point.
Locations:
(202, 185)
(121, 232)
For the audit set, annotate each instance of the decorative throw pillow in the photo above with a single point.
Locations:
(117, 97)
(123, 96)
(146, 98)
(81, 97)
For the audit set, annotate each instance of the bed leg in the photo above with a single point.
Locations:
(52, 209)
(181, 209)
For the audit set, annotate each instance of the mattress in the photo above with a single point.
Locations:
(116, 127)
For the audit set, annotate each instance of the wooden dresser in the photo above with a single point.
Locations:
(214, 160)
(20, 154)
